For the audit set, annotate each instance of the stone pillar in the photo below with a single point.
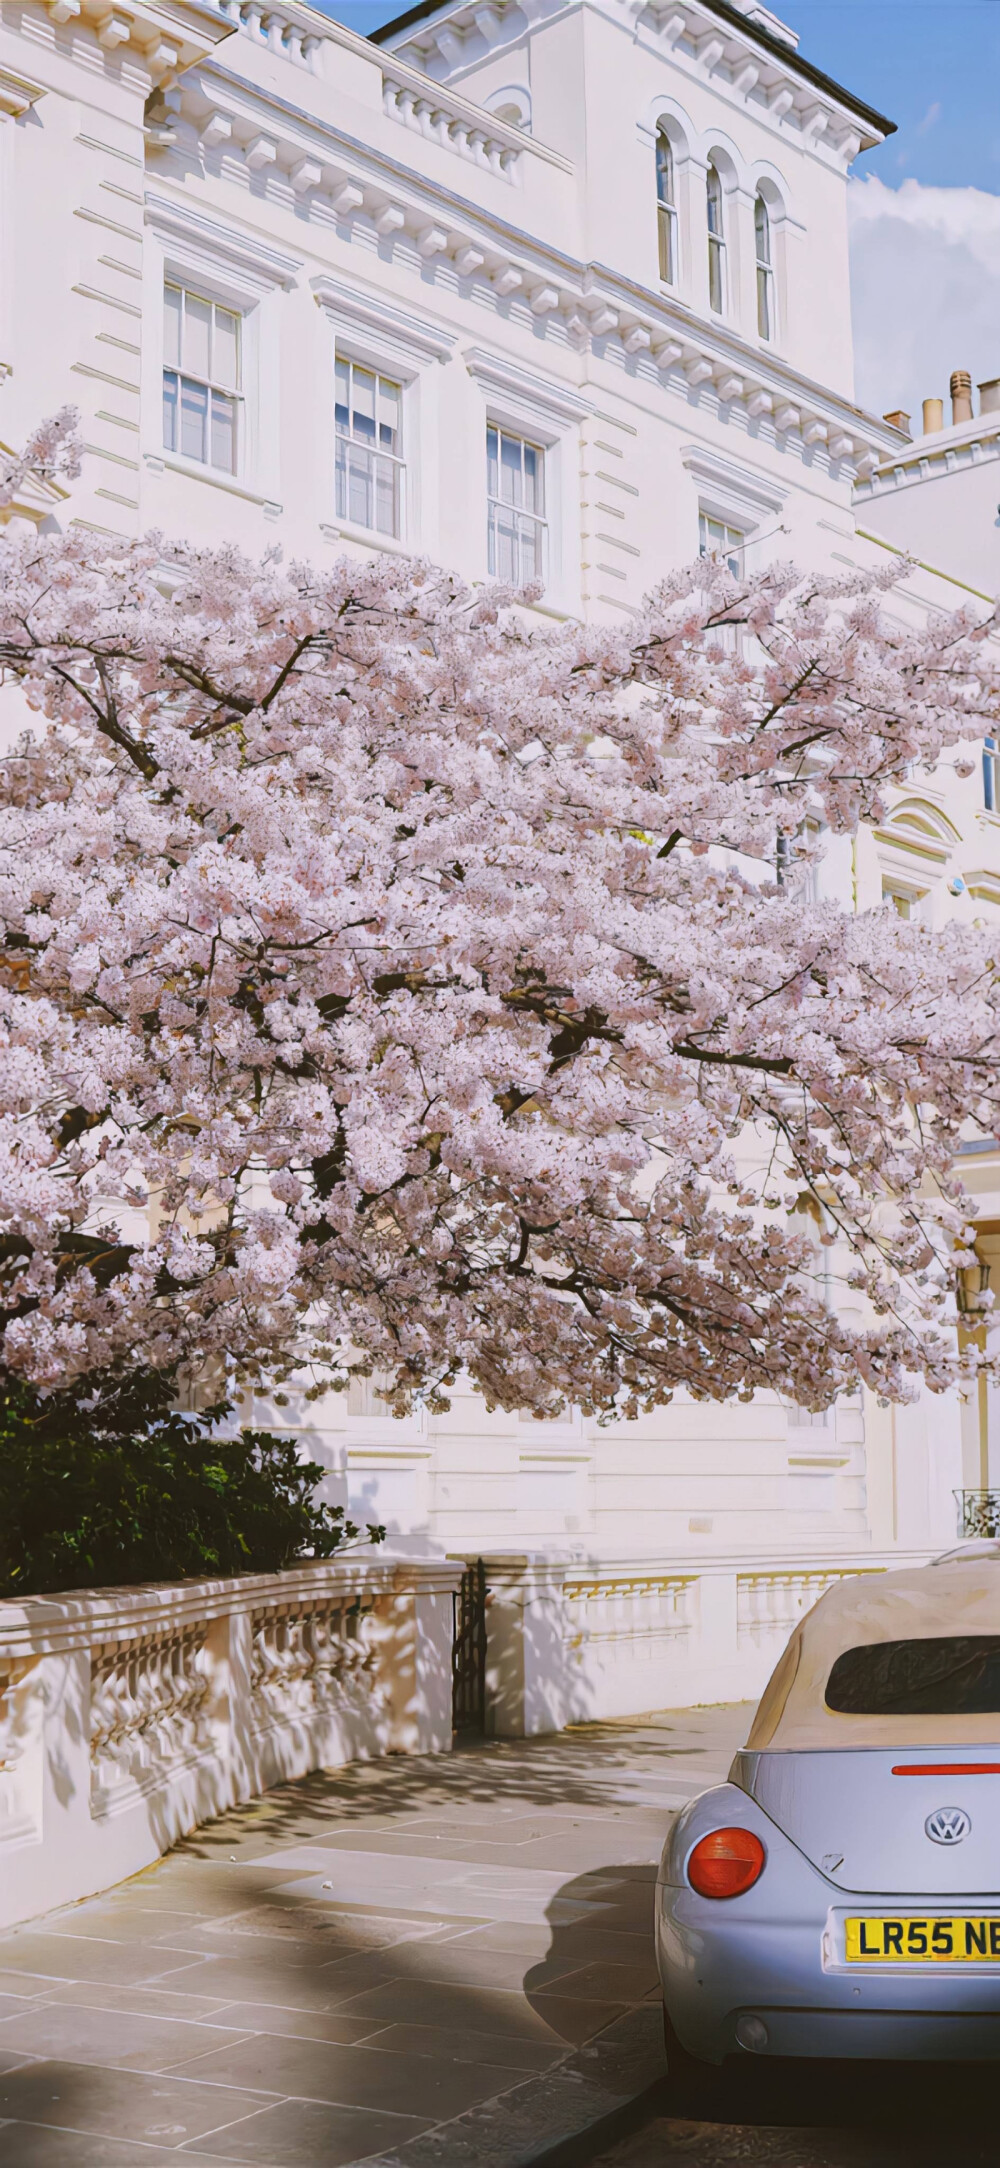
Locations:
(530, 1686)
(415, 1631)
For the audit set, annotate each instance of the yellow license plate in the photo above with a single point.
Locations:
(968, 1939)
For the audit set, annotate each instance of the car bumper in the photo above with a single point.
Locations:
(767, 1986)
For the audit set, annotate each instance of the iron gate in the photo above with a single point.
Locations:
(468, 1661)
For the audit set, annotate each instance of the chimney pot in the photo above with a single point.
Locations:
(989, 396)
(961, 397)
(933, 416)
(899, 420)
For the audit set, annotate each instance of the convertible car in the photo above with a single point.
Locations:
(840, 1894)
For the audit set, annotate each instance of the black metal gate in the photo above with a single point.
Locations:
(468, 1699)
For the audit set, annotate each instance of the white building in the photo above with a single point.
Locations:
(532, 285)
(936, 496)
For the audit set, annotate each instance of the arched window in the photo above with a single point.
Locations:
(716, 242)
(765, 270)
(666, 207)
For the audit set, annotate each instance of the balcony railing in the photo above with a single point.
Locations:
(978, 1512)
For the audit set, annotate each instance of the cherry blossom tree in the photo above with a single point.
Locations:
(389, 980)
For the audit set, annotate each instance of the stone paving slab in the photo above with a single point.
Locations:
(412, 1964)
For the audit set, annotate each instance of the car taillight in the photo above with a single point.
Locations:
(726, 1863)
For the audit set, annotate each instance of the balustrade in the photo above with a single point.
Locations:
(129, 1716)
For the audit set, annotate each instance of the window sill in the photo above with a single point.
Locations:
(157, 461)
(341, 530)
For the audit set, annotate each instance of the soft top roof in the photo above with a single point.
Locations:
(958, 1595)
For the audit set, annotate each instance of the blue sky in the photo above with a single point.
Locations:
(932, 65)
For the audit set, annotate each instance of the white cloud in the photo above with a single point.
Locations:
(925, 281)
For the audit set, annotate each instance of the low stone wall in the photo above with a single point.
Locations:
(575, 1640)
(128, 1716)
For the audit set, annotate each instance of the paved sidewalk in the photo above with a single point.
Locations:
(420, 1963)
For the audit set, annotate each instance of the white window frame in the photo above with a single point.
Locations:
(667, 219)
(189, 248)
(211, 383)
(530, 528)
(717, 245)
(375, 456)
(731, 543)
(764, 266)
(547, 413)
(737, 495)
(372, 332)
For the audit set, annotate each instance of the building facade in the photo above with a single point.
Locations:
(550, 288)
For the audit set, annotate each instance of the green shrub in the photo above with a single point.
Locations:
(127, 1487)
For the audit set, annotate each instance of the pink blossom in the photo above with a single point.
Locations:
(398, 953)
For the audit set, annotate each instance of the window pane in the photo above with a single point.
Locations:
(533, 550)
(664, 168)
(359, 487)
(386, 483)
(363, 405)
(714, 194)
(534, 463)
(715, 276)
(763, 303)
(511, 478)
(503, 556)
(492, 463)
(194, 418)
(226, 349)
(952, 1676)
(170, 402)
(665, 218)
(762, 226)
(172, 327)
(389, 397)
(342, 394)
(197, 329)
(223, 432)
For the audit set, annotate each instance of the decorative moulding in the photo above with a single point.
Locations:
(370, 317)
(765, 76)
(258, 266)
(546, 401)
(166, 34)
(17, 94)
(737, 487)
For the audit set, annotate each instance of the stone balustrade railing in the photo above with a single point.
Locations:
(129, 1716)
(572, 1640)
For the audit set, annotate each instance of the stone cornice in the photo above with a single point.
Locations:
(712, 37)
(948, 451)
(167, 35)
(348, 184)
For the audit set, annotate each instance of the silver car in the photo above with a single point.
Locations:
(840, 1894)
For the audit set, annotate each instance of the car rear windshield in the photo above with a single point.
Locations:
(954, 1677)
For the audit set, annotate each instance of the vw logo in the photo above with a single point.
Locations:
(948, 1826)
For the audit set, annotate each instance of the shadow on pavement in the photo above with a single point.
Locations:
(822, 2115)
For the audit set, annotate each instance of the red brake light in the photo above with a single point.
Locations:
(726, 1863)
